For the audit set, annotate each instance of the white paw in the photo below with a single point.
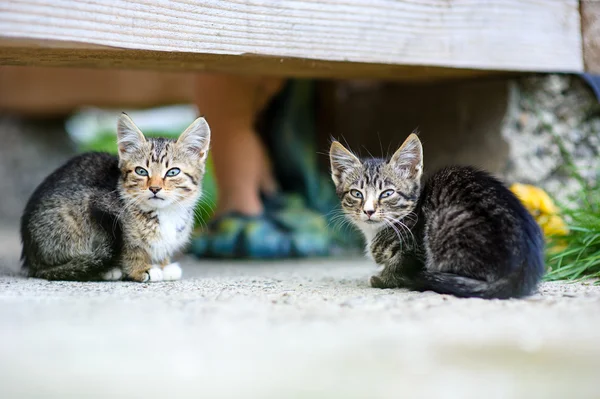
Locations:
(172, 272)
(154, 274)
(113, 275)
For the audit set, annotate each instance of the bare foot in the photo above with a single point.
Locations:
(230, 104)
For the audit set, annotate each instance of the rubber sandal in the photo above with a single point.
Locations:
(238, 236)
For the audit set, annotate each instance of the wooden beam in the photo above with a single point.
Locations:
(324, 38)
(58, 54)
(590, 29)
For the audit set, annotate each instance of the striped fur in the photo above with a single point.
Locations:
(98, 212)
(461, 233)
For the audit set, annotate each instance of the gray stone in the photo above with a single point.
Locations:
(29, 150)
(552, 128)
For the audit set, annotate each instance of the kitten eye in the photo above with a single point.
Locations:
(141, 171)
(356, 194)
(173, 172)
(386, 193)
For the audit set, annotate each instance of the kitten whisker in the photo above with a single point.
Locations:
(475, 238)
(68, 221)
(404, 227)
(408, 230)
(339, 222)
(399, 234)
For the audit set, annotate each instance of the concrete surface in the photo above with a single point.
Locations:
(309, 329)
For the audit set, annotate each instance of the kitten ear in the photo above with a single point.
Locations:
(408, 159)
(341, 161)
(196, 138)
(129, 137)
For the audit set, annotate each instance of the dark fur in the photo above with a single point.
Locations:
(461, 233)
(473, 238)
(75, 209)
(103, 217)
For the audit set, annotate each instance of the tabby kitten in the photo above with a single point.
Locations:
(105, 217)
(461, 233)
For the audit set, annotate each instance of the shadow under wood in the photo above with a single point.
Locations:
(458, 123)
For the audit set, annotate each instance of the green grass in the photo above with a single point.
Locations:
(577, 256)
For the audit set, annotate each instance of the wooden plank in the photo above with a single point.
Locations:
(58, 54)
(307, 37)
(590, 29)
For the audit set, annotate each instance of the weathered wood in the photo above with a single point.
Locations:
(58, 54)
(590, 29)
(298, 37)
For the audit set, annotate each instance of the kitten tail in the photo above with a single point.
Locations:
(515, 285)
(81, 268)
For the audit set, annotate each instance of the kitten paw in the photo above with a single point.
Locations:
(153, 275)
(172, 272)
(113, 275)
(377, 282)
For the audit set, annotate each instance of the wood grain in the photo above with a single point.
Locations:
(302, 37)
(590, 29)
(57, 54)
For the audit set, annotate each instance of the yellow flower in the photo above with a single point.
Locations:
(543, 209)
(553, 225)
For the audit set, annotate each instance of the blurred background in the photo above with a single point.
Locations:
(533, 129)
(509, 86)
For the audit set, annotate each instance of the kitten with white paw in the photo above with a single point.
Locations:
(102, 217)
(462, 232)
(172, 272)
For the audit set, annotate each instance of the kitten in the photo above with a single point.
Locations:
(100, 216)
(461, 233)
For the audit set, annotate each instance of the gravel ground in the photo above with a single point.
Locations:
(307, 329)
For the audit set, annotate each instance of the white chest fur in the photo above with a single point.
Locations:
(173, 231)
(369, 232)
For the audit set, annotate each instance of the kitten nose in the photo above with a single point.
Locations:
(369, 212)
(155, 189)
